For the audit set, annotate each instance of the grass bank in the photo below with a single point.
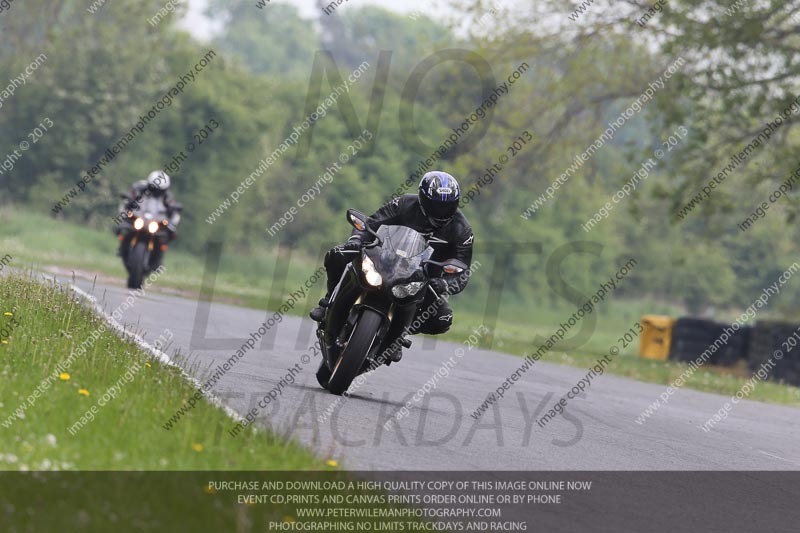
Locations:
(103, 410)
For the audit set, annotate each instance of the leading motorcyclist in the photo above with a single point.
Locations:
(432, 211)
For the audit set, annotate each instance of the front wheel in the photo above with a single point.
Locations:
(136, 265)
(355, 352)
(323, 374)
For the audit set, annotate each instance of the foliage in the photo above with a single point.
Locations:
(101, 73)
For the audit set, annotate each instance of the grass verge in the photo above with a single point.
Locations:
(47, 324)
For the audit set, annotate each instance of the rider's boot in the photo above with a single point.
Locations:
(394, 353)
(318, 313)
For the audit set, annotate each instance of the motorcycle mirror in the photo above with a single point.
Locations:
(454, 266)
(357, 219)
(451, 266)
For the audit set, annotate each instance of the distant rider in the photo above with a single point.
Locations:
(157, 185)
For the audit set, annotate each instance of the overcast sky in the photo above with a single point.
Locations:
(200, 26)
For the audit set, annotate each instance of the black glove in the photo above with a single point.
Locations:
(439, 285)
(354, 244)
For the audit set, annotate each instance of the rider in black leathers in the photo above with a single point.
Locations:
(434, 211)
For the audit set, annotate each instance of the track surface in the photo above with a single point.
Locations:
(598, 433)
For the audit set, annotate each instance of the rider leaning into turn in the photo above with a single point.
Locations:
(156, 185)
(433, 211)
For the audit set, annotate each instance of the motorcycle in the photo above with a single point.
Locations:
(145, 232)
(375, 301)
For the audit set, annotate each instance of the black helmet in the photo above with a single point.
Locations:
(439, 194)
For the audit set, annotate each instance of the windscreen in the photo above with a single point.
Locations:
(151, 208)
(402, 252)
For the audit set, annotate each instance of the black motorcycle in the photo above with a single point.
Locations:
(145, 232)
(375, 301)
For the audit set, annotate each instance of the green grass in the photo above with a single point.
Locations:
(47, 323)
(40, 242)
(190, 501)
(165, 485)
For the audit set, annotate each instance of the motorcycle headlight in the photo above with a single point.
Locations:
(372, 275)
(410, 289)
(153, 227)
(138, 223)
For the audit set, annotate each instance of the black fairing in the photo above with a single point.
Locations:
(399, 259)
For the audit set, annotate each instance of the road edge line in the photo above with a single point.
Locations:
(152, 350)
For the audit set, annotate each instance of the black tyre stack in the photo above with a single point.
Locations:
(692, 336)
(738, 347)
(756, 344)
(769, 337)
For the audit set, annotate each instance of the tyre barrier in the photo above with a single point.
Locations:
(692, 336)
(769, 337)
(737, 349)
(757, 344)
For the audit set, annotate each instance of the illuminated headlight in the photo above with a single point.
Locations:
(368, 268)
(138, 223)
(152, 227)
(410, 289)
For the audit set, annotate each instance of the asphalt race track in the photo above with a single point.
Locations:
(599, 431)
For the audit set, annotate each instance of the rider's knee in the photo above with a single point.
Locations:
(438, 325)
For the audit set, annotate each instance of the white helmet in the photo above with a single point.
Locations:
(158, 180)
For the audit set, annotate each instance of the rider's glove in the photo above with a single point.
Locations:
(439, 285)
(353, 244)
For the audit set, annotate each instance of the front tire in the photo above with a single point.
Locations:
(355, 353)
(323, 374)
(136, 264)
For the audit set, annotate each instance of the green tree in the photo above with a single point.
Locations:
(274, 40)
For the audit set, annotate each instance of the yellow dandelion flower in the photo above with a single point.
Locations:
(8, 313)
(197, 447)
(331, 463)
(83, 391)
(64, 376)
(3, 341)
(209, 489)
(148, 365)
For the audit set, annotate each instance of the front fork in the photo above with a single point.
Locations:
(367, 299)
(346, 302)
(397, 320)
(151, 243)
